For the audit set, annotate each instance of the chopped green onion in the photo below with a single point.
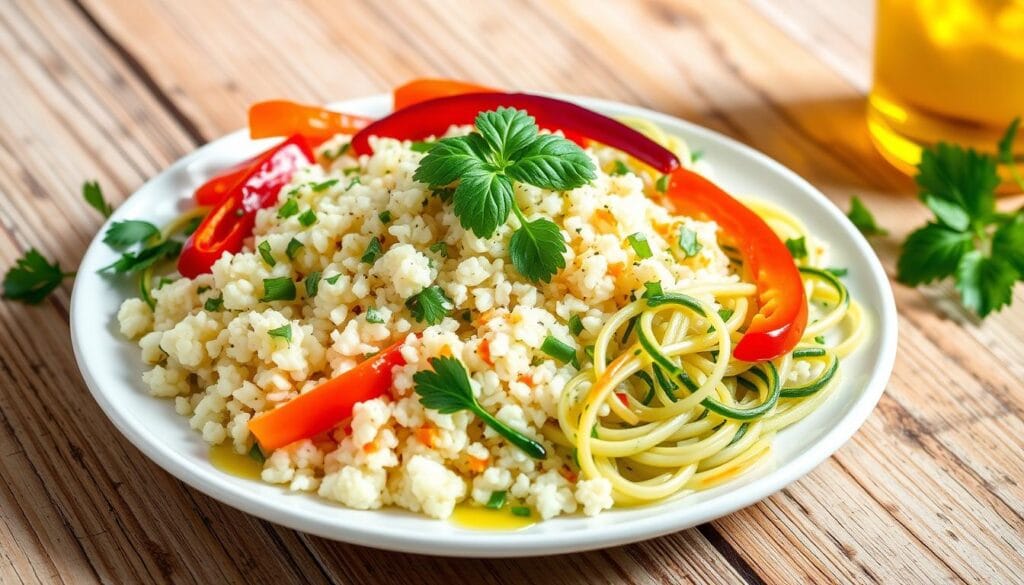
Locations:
(257, 454)
(293, 248)
(264, 249)
(284, 332)
(620, 168)
(325, 185)
(307, 218)
(384, 216)
(820, 339)
(640, 245)
(589, 351)
(374, 250)
(497, 500)
(797, 247)
(688, 242)
(353, 183)
(696, 155)
(653, 290)
(521, 511)
(661, 184)
(374, 316)
(214, 304)
(312, 284)
(290, 208)
(278, 289)
(575, 325)
(558, 349)
(350, 170)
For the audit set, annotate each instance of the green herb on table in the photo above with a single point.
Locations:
(863, 219)
(430, 305)
(122, 234)
(93, 195)
(981, 248)
(506, 148)
(32, 278)
(447, 390)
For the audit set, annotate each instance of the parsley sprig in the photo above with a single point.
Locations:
(507, 147)
(968, 239)
(446, 389)
(33, 278)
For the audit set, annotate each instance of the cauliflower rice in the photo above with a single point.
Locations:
(221, 367)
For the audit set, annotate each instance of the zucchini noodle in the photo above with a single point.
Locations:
(664, 409)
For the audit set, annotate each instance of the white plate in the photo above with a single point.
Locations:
(112, 367)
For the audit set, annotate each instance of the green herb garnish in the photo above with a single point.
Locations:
(430, 305)
(863, 219)
(440, 248)
(122, 234)
(325, 185)
(290, 208)
(374, 316)
(384, 216)
(652, 289)
(93, 195)
(837, 271)
(333, 279)
(256, 454)
(559, 350)
(447, 390)
(374, 250)
(312, 283)
(284, 332)
(620, 168)
(575, 325)
(422, 145)
(507, 147)
(688, 242)
(278, 289)
(661, 184)
(640, 245)
(497, 500)
(293, 248)
(307, 218)
(265, 253)
(521, 511)
(214, 304)
(32, 278)
(136, 261)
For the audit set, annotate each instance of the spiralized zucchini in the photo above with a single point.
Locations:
(664, 409)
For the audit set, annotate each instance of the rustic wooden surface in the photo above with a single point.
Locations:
(929, 490)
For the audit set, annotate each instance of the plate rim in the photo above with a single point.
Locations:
(498, 544)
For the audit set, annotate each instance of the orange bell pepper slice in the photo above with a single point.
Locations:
(323, 407)
(285, 118)
(421, 90)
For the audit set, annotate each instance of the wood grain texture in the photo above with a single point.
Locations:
(928, 491)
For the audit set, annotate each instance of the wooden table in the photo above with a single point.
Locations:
(929, 490)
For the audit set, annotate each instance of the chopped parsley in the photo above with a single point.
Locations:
(290, 208)
(797, 247)
(575, 325)
(384, 216)
(283, 332)
(374, 250)
(652, 289)
(661, 184)
(135, 261)
(333, 279)
(214, 304)
(374, 316)
(325, 185)
(430, 305)
(307, 218)
(640, 245)
(93, 195)
(256, 454)
(312, 283)
(440, 248)
(620, 168)
(837, 271)
(32, 278)
(688, 242)
(122, 234)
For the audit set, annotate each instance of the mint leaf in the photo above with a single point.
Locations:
(537, 250)
(933, 251)
(32, 278)
(985, 283)
(506, 131)
(552, 162)
(93, 195)
(482, 201)
(122, 234)
(450, 159)
(862, 218)
(959, 176)
(430, 305)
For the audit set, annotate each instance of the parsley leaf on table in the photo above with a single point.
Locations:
(122, 234)
(969, 240)
(863, 219)
(447, 390)
(507, 146)
(93, 195)
(33, 278)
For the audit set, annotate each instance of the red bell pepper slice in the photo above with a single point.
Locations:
(285, 118)
(432, 118)
(214, 190)
(325, 406)
(232, 220)
(782, 305)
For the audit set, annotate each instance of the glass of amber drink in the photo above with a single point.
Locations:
(946, 70)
